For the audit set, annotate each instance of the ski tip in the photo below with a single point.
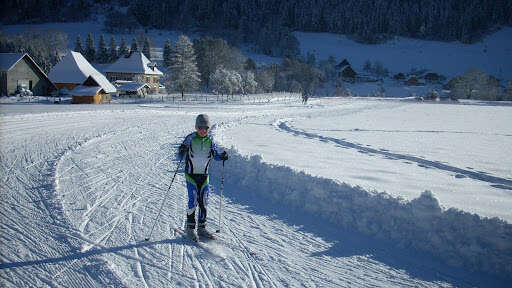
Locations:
(147, 239)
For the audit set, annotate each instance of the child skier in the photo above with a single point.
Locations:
(199, 149)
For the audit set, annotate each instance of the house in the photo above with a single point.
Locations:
(133, 89)
(432, 77)
(92, 90)
(19, 72)
(413, 81)
(347, 73)
(342, 64)
(137, 68)
(73, 70)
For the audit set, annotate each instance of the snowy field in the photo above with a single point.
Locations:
(339, 193)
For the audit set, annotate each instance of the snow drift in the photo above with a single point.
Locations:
(461, 239)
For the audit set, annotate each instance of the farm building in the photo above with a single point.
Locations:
(91, 91)
(133, 89)
(342, 64)
(19, 72)
(73, 70)
(347, 73)
(136, 67)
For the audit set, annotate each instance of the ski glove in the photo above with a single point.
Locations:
(183, 150)
(224, 156)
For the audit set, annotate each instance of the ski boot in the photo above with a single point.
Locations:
(190, 231)
(203, 232)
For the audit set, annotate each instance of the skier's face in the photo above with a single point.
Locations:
(202, 131)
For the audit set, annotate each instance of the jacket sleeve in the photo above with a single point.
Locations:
(185, 142)
(216, 153)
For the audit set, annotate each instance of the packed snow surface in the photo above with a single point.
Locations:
(337, 193)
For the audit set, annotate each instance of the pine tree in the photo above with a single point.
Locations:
(167, 53)
(123, 48)
(102, 56)
(146, 50)
(112, 50)
(78, 45)
(90, 52)
(135, 46)
(183, 72)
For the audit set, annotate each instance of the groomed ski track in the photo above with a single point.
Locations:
(81, 189)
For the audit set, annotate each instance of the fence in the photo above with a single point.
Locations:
(279, 97)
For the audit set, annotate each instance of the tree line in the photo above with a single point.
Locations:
(270, 21)
(105, 54)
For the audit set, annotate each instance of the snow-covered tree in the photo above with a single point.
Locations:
(90, 52)
(167, 53)
(249, 84)
(183, 74)
(135, 45)
(475, 84)
(123, 48)
(146, 49)
(103, 55)
(226, 81)
(78, 45)
(508, 91)
(112, 53)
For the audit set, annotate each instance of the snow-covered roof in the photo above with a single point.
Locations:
(8, 60)
(85, 90)
(136, 63)
(103, 83)
(74, 68)
(132, 86)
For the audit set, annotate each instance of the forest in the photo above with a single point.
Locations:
(370, 21)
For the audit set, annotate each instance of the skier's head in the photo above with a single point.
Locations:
(202, 124)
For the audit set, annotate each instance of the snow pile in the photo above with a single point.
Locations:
(457, 237)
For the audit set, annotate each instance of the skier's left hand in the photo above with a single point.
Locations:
(224, 156)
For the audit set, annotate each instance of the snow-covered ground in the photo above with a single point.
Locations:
(331, 194)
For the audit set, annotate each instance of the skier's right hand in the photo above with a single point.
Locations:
(224, 156)
(183, 150)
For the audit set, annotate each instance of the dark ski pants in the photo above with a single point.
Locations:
(198, 189)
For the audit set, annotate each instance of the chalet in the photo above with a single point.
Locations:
(347, 73)
(18, 72)
(413, 81)
(399, 76)
(342, 64)
(432, 77)
(92, 90)
(137, 68)
(73, 70)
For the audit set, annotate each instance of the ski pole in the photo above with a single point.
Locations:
(165, 198)
(221, 192)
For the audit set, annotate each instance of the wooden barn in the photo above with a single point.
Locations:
(90, 92)
(18, 71)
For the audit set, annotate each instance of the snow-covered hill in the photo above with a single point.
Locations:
(331, 194)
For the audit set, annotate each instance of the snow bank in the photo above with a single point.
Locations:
(457, 237)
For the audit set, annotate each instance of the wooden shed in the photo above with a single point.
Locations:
(133, 89)
(19, 71)
(91, 91)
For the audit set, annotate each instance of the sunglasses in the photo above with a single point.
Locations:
(203, 128)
